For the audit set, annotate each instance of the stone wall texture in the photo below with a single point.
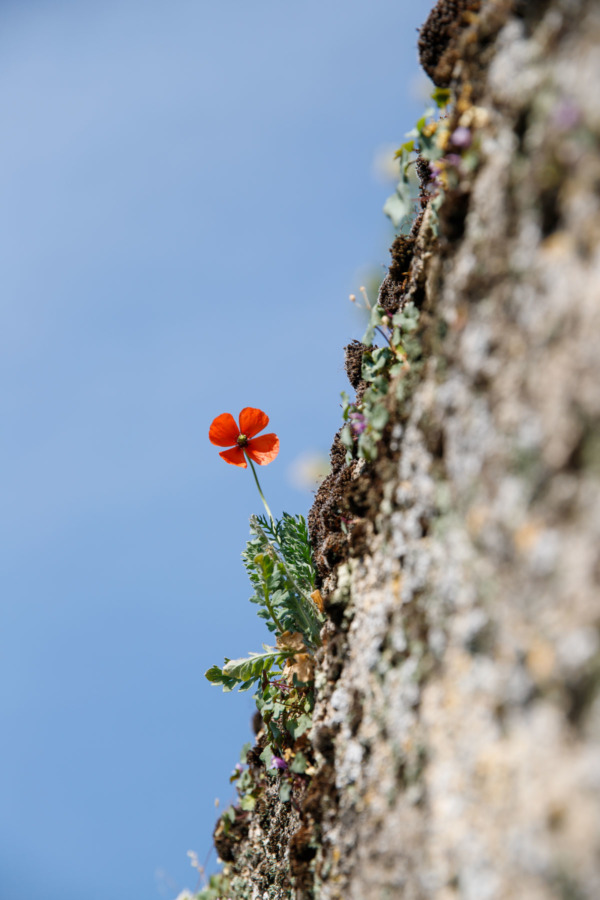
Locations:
(457, 726)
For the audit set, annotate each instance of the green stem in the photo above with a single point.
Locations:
(262, 496)
(276, 621)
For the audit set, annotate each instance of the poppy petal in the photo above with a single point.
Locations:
(224, 431)
(235, 457)
(252, 421)
(263, 449)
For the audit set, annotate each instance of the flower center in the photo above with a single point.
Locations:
(242, 440)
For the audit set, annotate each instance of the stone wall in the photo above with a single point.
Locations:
(456, 735)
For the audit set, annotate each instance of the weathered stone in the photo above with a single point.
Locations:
(457, 728)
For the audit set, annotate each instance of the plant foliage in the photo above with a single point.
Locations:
(422, 140)
(278, 560)
(400, 360)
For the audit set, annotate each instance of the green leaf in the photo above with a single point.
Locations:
(375, 362)
(346, 405)
(367, 446)
(229, 814)
(398, 206)
(407, 319)
(379, 384)
(246, 782)
(404, 149)
(285, 791)
(248, 802)
(276, 733)
(251, 667)
(429, 148)
(214, 674)
(217, 676)
(299, 726)
(267, 756)
(299, 763)
(441, 97)
(346, 438)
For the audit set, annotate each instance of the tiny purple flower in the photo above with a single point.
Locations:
(461, 137)
(358, 423)
(435, 168)
(453, 159)
(278, 763)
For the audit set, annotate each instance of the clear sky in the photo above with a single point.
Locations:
(187, 199)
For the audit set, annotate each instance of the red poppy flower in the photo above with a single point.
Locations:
(224, 432)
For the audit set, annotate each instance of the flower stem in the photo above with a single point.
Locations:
(384, 336)
(262, 496)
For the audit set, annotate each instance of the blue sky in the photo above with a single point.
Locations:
(187, 199)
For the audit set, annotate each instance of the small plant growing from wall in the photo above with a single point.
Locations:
(278, 560)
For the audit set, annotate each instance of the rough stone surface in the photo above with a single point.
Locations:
(457, 728)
